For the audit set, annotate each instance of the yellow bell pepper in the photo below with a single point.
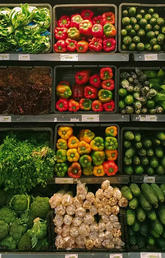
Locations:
(61, 144)
(84, 148)
(72, 155)
(98, 171)
(111, 131)
(65, 132)
(86, 135)
(73, 142)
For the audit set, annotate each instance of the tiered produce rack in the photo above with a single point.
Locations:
(131, 59)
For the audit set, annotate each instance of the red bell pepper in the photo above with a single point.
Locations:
(97, 106)
(87, 14)
(64, 83)
(97, 31)
(82, 77)
(76, 19)
(106, 73)
(110, 168)
(95, 44)
(85, 27)
(108, 17)
(109, 30)
(60, 33)
(90, 92)
(62, 105)
(60, 46)
(109, 45)
(77, 91)
(109, 106)
(64, 21)
(73, 105)
(71, 45)
(95, 81)
(74, 170)
(108, 84)
(82, 46)
(98, 20)
(85, 104)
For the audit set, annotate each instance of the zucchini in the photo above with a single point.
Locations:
(144, 203)
(130, 217)
(135, 189)
(162, 187)
(136, 227)
(157, 228)
(126, 192)
(141, 242)
(144, 229)
(152, 215)
(162, 214)
(161, 243)
(149, 194)
(157, 190)
(133, 240)
(133, 204)
(141, 216)
(151, 241)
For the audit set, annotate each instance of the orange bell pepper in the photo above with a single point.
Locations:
(65, 132)
(111, 131)
(73, 142)
(111, 154)
(86, 135)
(98, 171)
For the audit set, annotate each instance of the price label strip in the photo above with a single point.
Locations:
(147, 118)
(74, 119)
(71, 256)
(149, 179)
(4, 119)
(64, 180)
(151, 57)
(116, 256)
(68, 57)
(4, 57)
(90, 118)
(24, 57)
(150, 255)
(55, 119)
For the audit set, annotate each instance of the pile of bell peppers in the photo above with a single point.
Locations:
(86, 153)
(90, 91)
(82, 32)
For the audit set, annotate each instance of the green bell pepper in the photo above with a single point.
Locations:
(98, 157)
(97, 144)
(61, 155)
(105, 95)
(88, 171)
(155, 83)
(111, 143)
(85, 161)
(150, 74)
(61, 169)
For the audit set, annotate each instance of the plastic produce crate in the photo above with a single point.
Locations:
(145, 131)
(143, 69)
(159, 8)
(67, 73)
(24, 90)
(43, 5)
(98, 9)
(93, 127)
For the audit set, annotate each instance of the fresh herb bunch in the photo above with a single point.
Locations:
(25, 164)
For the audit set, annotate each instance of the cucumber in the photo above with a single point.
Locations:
(144, 229)
(136, 227)
(162, 187)
(144, 203)
(162, 214)
(161, 243)
(135, 189)
(126, 192)
(151, 241)
(133, 241)
(141, 216)
(141, 242)
(157, 228)
(133, 204)
(130, 217)
(158, 192)
(152, 215)
(149, 194)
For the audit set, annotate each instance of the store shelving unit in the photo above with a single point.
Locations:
(53, 59)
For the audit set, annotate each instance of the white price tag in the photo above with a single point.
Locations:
(68, 57)
(4, 57)
(5, 119)
(149, 179)
(71, 256)
(24, 57)
(148, 118)
(55, 119)
(74, 119)
(61, 180)
(90, 118)
(150, 255)
(116, 256)
(151, 57)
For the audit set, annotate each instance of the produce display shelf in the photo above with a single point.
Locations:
(87, 57)
(120, 179)
(65, 118)
(148, 179)
(148, 118)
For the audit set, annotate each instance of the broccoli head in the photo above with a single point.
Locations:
(40, 207)
(42, 245)
(25, 243)
(4, 228)
(19, 203)
(17, 230)
(8, 243)
(3, 198)
(7, 215)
